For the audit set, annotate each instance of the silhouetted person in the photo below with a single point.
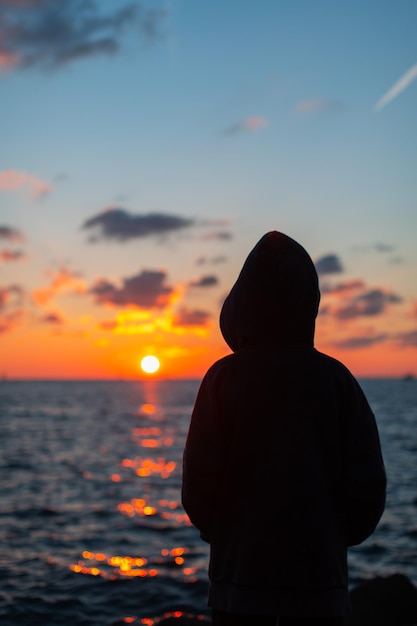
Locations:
(282, 466)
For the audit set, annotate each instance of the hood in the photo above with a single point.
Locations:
(275, 299)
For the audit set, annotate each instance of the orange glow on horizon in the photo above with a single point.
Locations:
(117, 356)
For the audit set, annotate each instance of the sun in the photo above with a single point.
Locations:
(150, 364)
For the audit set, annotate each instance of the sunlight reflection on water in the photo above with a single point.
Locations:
(90, 492)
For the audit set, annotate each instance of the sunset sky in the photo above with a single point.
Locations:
(147, 146)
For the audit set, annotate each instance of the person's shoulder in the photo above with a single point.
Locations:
(331, 364)
(222, 364)
(224, 369)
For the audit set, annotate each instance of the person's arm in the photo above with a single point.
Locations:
(204, 458)
(365, 478)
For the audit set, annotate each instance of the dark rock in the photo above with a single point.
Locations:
(390, 601)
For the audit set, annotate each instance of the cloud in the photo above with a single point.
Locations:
(377, 247)
(146, 289)
(11, 234)
(250, 124)
(9, 295)
(11, 298)
(202, 260)
(63, 280)
(7, 256)
(10, 180)
(346, 287)
(396, 260)
(188, 317)
(205, 281)
(220, 235)
(52, 318)
(407, 339)
(50, 34)
(371, 303)
(383, 247)
(318, 104)
(8, 60)
(329, 264)
(120, 225)
(398, 87)
(11, 320)
(107, 324)
(354, 343)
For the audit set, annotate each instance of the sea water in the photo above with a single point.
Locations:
(92, 531)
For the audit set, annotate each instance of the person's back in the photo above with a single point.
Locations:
(282, 466)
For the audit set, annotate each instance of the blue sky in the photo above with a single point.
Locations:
(242, 117)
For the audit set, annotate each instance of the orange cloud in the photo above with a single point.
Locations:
(8, 60)
(11, 320)
(63, 280)
(8, 293)
(148, 322)
(255, 123)
(11, 180)
(11, 255)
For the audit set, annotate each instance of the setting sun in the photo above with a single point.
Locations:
(150, 364)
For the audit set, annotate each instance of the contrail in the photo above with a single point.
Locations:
(396, 89)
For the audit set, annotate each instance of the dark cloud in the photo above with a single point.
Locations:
(51, 33)
(221, 235)
(354, 343)
(11, 234)
(368, 304)
(52, 318)
(205, 281)
(215, 260)
(343, 288)
(329, 264)
(120, 225)
(188, 317)
(147, 289)
(384, 247)
(407, 339)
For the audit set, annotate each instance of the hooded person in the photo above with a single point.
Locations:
(282, 464)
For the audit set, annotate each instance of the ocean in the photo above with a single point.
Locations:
(92, 531)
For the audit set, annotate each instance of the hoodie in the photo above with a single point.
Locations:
(282, 464)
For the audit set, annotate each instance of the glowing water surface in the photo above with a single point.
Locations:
(92, 531)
